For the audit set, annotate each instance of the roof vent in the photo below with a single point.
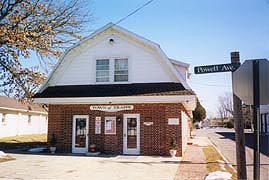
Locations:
(111, 41)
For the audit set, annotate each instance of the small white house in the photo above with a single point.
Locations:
(18, 118)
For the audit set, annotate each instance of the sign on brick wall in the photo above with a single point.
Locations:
(173, 121)
(112, 108)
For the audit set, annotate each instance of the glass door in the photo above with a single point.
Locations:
(131, 134)
(80, 134)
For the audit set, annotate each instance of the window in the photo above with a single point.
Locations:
(102, 70)
(29, 119)
(262, 123)
(266, 122)
(121, 70)
(4, 119)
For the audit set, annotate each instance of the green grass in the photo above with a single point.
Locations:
(25, 139)
(212, 155)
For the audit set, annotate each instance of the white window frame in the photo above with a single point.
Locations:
(114, 74)
(112, 70)
(109, 69)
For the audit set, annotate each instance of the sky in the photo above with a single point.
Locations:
(202, 32)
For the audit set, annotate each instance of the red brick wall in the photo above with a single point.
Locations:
(154, 139)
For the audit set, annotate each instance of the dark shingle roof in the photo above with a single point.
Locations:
(7, 103)
(137, 89)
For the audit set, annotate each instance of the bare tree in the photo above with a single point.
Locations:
(40, 28)
(247, 116)
(226, 102)
(225, 108)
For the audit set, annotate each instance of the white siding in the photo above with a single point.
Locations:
(182, 71)
(185, 130)
(17, 124)
(79, 64)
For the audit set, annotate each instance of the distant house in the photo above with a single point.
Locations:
(17, 118)
(264, 110)
(119, 91)
(206, 123)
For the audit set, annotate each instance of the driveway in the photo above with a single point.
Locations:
(29, 166)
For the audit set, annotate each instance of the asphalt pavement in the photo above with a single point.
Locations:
(223, 139)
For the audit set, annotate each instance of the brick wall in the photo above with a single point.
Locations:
(154, 139)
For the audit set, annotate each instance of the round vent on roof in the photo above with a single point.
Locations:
(111, 41)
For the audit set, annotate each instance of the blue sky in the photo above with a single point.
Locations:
(198, 32)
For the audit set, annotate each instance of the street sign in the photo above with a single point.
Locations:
(216, 68)
(243, 81)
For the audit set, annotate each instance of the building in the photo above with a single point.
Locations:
(264, 110)
(264, 119)
(121, 92)
(18, 118)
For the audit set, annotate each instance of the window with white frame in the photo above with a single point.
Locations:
(121, 70)
(102, 70)
(112, 70)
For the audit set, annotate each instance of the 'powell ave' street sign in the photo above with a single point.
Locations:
(216, 68)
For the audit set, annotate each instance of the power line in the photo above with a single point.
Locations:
(135, 11)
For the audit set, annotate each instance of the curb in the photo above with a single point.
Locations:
(224, 158)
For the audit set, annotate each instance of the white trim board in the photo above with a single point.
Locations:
(189, 101)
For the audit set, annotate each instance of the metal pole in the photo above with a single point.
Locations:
(256, 119)
(239, 129)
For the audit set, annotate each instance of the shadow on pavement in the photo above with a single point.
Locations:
(264, 141)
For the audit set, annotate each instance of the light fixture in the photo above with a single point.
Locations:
(118, 118)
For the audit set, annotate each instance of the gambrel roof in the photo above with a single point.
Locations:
(115, 29)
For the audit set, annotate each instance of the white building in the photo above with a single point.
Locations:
(264, 119)
(18, 118)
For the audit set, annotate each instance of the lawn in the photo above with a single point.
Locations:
(212, 156)
(16, 142)
(25, 138)
(24, 141)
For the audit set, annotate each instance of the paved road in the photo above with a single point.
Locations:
(224, 140)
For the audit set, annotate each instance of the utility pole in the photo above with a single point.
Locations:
(239, 129)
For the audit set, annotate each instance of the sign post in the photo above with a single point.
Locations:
(237, 105)
(250, 84)
(239, 128)
(256, 118)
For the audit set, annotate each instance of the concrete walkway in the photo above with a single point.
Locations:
(29, 167)
(193, 164)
